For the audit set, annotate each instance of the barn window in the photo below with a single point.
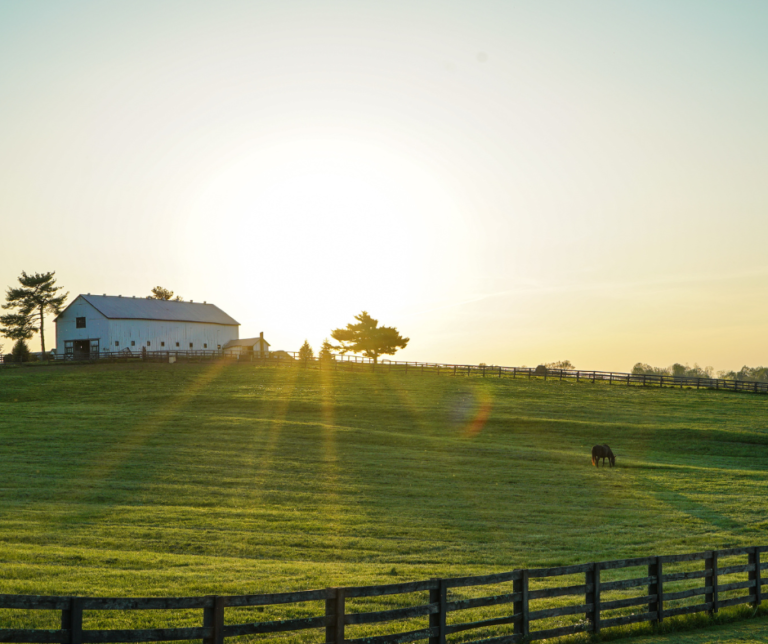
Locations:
(162, 344)
(205, 346)
(148, 343)
(117, 343)
(80, 323)
(177, 344)
(133, 343)
(190, 345)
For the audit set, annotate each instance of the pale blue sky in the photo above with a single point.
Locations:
(507, 182)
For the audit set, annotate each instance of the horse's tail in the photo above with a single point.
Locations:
(593, 460)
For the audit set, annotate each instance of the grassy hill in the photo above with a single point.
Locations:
(189, 479)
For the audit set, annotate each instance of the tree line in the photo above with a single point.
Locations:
(759, 374)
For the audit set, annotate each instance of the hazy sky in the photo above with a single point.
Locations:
(506, 182)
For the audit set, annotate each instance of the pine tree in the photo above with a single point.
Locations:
(20, 351)
(37, 296)
(306, 352)
(326, 351)
(368, 338)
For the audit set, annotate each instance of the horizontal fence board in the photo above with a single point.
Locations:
(626, 583)
(738, 585)
(733, 552)
(691, 556)
(398, 638)
(483, 623)
(735, 601)
(478, 602)
(732, 570)
(145, 603)
(276, 626)
(560, 591)
(560, 610)
(627, 603)
(557, 632)
(685, 594)
(23, 635)
(236, 601)
(559, 571)
(34, 602)
(390, 589)
(678, 576)
(629, 619)
(685, 610)
(483, 580)
(387, 615)
(148, 635)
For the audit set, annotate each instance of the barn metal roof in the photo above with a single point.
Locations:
(139, 308)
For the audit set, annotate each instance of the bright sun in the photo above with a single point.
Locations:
(345, 226)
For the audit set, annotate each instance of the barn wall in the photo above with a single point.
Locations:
(96, 325)
(134, 334)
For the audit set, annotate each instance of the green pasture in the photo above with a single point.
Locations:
(226, 479)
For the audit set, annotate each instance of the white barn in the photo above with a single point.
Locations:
(97, 324)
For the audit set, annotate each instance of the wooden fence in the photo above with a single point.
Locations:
(352, 363)
(600, 593)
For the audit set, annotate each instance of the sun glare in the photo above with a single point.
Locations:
(349, 226)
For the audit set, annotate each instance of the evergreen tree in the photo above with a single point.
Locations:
(37, 296)
(368, 338)
(306, 352)
(326, 350)
(20, 351)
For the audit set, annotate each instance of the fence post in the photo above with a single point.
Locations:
(72, 620)
(754, 558)
(710, 564)
(657, 588)
(520, 608)
(213, 617)
(499, 372)
(593, 596)
(334, 617)
(439, 596)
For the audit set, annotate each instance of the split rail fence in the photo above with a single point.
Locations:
(356, 363)
(435, 606)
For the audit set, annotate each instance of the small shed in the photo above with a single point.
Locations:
(250, 347)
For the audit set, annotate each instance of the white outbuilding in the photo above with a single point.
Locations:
(248, 347)
(97, 324)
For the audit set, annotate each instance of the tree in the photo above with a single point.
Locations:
(37, 296)
(306, 352)
(20, 351)
(561, 364)
(160, 293)
(368, 338)
(326, 351)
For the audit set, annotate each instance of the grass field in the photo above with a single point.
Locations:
(191, 480)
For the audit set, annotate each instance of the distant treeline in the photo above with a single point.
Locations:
(759, 374)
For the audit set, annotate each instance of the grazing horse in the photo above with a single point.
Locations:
(602, 451)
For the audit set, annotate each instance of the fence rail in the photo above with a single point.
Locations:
(352, 363)
(653, 603)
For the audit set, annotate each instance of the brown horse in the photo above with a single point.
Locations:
(602, 451)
